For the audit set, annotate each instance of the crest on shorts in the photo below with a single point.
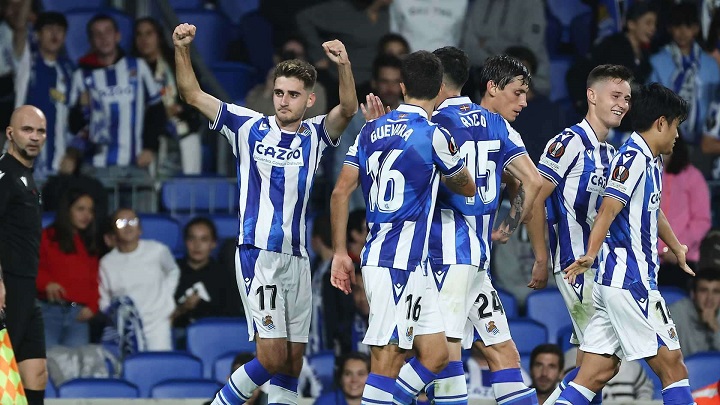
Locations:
(268, 322)
(673, 334)
(409, 333)
(490, 327)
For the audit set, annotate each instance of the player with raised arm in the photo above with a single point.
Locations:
(631, 320)
(276, 161)
(460, 235)
(574, 168)
(397, 159)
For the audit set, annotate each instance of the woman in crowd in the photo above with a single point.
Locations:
(353, 370)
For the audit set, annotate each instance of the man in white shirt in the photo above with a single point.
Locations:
(411, 18)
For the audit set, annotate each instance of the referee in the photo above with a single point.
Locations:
(20, 227)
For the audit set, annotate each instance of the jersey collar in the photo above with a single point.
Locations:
(411, 108)
(590, 133)
(642, 145)
(457, 100)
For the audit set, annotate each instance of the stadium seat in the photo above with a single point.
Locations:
(63, 6)
(186, 4)
(257, 35)
(235, 9)
(548, 307)
(221, 368)
(527, 334)
(209, 338)
(226, 224)
(98, 388)
(162, 228)
(47, 218)
(558, 70)
(212, 36)
(50, 390)
(186, 388)
(193, 194)
(147, 369)
(76, 42)
(323, 364)
(525, 362)
(672, 294)
(703, 369)
(509, 303)
(568, 27)
(236, 78)
(563, 337)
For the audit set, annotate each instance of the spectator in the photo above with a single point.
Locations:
(352, 372)
(698, 318)
(489, 30)
(710, 250)
(322, 246)
(685, 68)
(150, 45)
(260, 97)
(118, 98)
(546, 366)
(259, 396)
(146, 272)
(43, 80)
(357, 23)
(393, 44)
(67, 279)
(13, 40)
(477, 373)
(201, 290)
(411, 19)
(686, 204)
(710, 144)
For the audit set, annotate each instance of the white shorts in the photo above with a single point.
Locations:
(275, 291)
(628, 328)
(487, 321)
(458, 286)
(579, 301)
(403, 304)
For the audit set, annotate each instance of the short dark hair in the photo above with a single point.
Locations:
(522, 53)
(501, 70)
(683, 14)
(298, 69)
(50, 18)
(550, 349)
(100, 17)
(240, 359)
(342, 361)
(707, 274)
(654, 101)
(385, 61)
(456, 65)
(391, 37)
(422, 75)
(200, 221)
(638, 9)
(608, 72)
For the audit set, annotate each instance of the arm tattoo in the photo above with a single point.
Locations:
(458, 181)
(512, 221)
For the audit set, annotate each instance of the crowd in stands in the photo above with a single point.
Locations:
(116, 122)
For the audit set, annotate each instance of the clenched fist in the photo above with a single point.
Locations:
(184, 35)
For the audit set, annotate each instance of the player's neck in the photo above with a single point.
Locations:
(427, 105)
(648, 137)
(288, 126)
(447, 93)
(600, 129)
(485, 103)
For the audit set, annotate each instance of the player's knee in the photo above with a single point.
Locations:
(273, 355)
(436, 359)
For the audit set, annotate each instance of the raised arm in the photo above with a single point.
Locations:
(187, 83)
(342, 272)
(339, 117)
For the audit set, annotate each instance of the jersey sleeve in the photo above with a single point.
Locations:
(152, 88)
(351, 158)
(712, 122)
(514, 145)
(320, 128)
(445, 153)
(229, 120)
(560, 155)
(626, 171)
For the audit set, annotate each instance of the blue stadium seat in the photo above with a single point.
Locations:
(47, 218)
(657, 384)
(63, 6)
(527, 334)
(568, 25)
(236, 78)
(525, 362)
(212, 39)
(162, 228)
(257, 35)
(76, 42)
(186, 4)
(196, 194)
(227, 225)
(235, 9)
(323, 364)
(672, 294)
(50, 390)
(558, 70)
(703, 369)
(509, 303)
(221, 368)
(548, 307)
(98, 388)
(186, 388)
(209, 338)
(563, 337)
(147, 369)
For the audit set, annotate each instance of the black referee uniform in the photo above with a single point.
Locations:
(20, 229)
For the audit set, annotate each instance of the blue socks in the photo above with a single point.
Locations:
(378, 390)
(678, 393)
(283, 390)
(242, 383)
(509, 388)
(412, 379)
(450, 387)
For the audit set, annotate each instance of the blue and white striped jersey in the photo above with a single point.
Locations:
(119, 95)
(46, 85)
(578, 164)
(630, 249)
(275, 171)
(462, 226)
(399, 156)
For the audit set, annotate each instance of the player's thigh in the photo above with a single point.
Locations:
(458, 285)
(297, 291)
(487, 320)
(579, 301)
(600, 336)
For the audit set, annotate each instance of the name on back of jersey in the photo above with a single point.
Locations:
(277, 156)
(386, 130)
(473, 119)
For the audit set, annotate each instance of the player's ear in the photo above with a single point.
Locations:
(403, 90)
(660, 123)
(311, 100)
(591, 95)
(491, 88)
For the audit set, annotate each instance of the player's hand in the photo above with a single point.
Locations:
(580, 266)
(502, 234)
(374, 108)
(335, 51)
(681, 260)
(55, 292)
(184, 35)
(342, 273)
(539, 275)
